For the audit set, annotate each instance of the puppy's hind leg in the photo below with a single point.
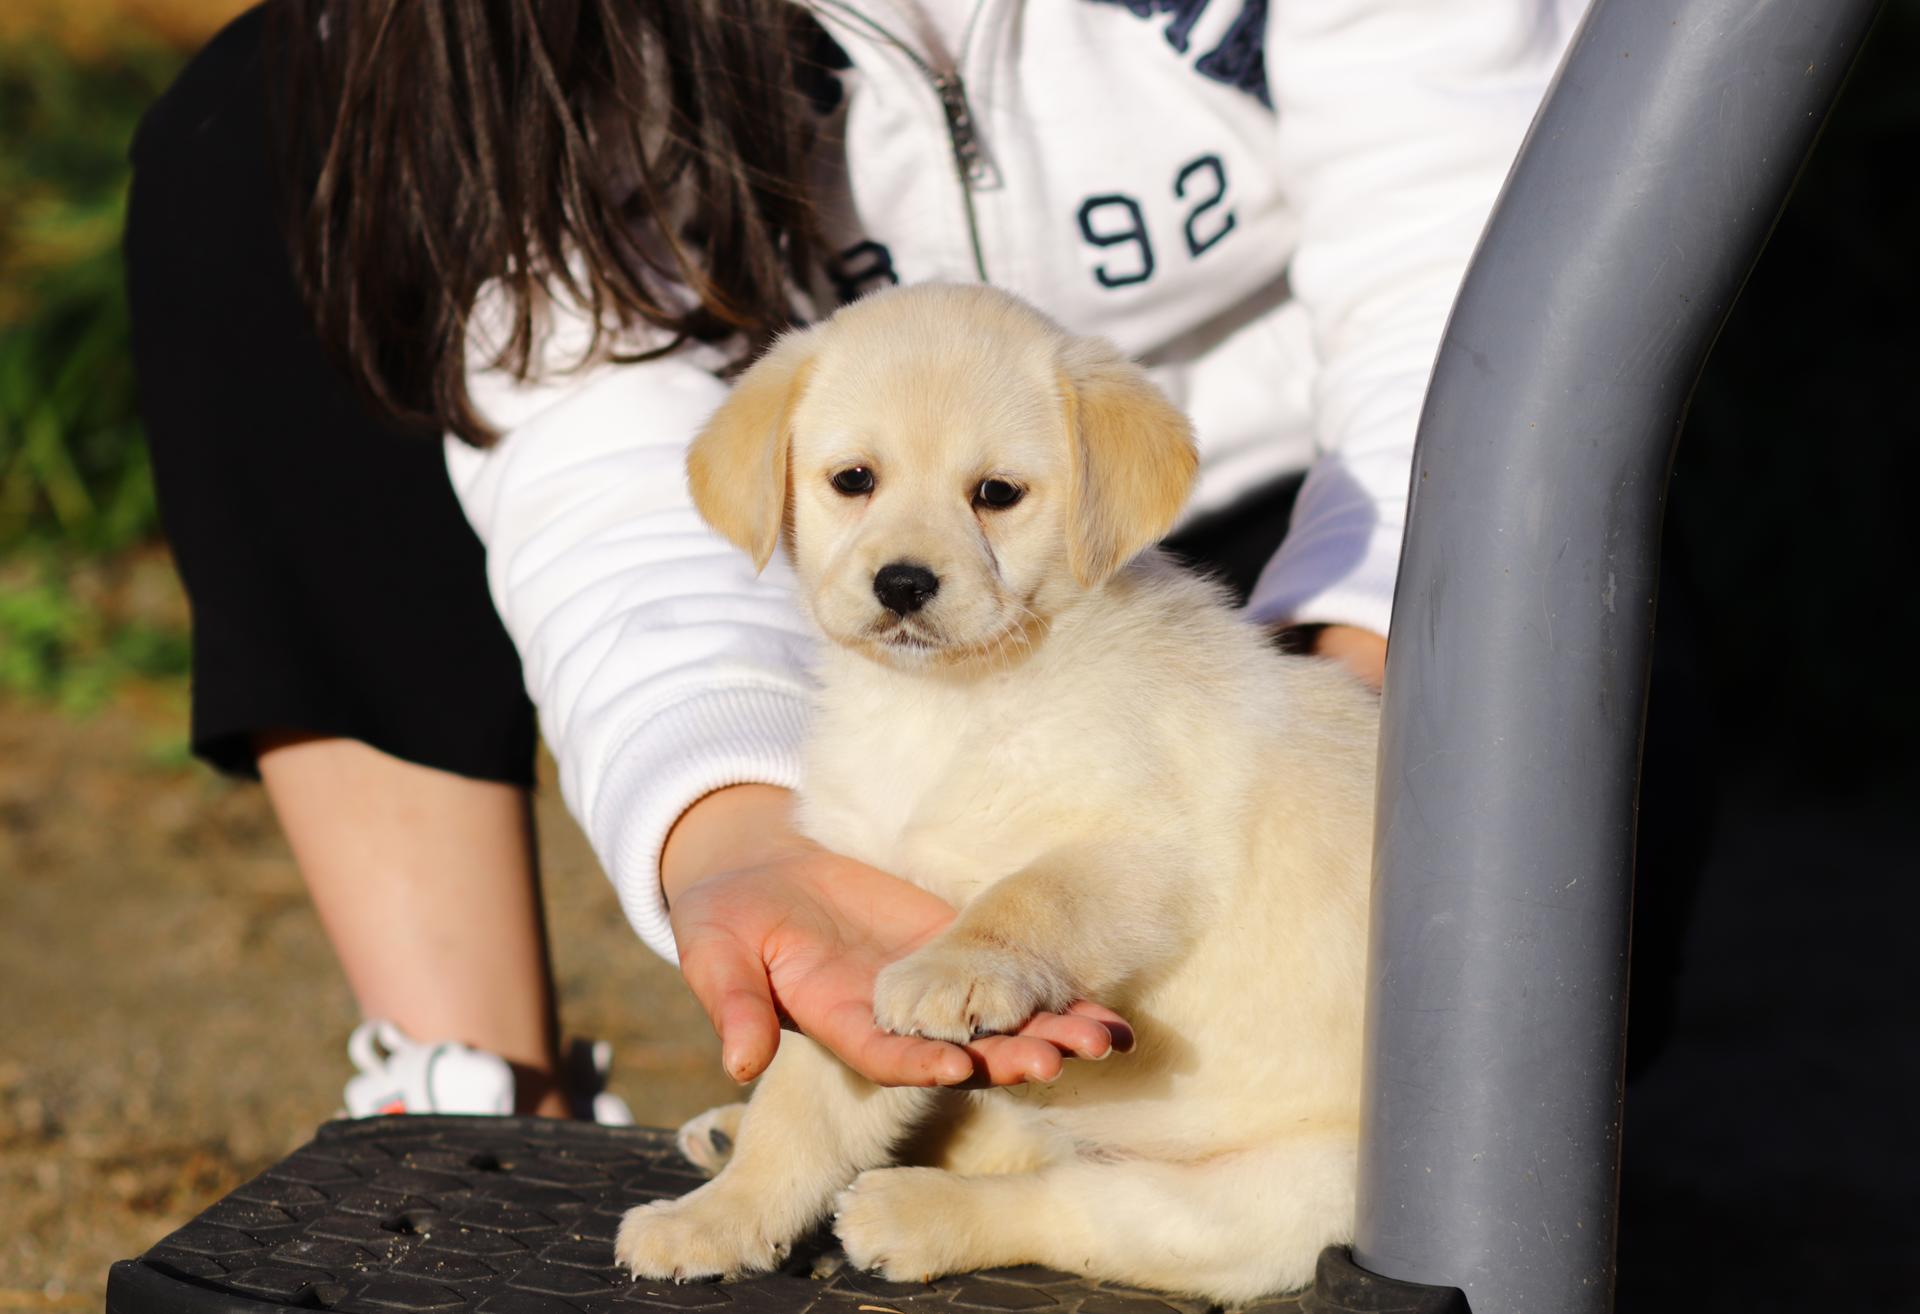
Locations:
(706, 1141)
(1231, 1229)
(810, 1128)
(984, 1132)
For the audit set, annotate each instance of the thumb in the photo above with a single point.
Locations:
(730, 982)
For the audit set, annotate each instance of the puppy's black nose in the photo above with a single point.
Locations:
(903, 587)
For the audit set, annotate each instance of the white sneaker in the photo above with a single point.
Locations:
(587, 1064)
(400, 1075)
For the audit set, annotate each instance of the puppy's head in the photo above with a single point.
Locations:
(951, 469)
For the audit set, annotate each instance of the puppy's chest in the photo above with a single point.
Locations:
(950, 797)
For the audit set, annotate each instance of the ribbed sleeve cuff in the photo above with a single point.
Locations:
(1341, 576)
(740, 736)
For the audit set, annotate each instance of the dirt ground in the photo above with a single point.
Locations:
(170, 1017)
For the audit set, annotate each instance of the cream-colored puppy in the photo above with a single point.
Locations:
(1126, 792)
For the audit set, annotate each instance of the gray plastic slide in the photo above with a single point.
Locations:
(1522, 628)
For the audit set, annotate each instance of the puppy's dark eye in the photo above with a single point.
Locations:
(853, 482)
(997, 494)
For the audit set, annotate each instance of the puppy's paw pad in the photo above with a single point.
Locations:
(707, 1141)
(692, 1238)
(956, 991)
(899, 1223)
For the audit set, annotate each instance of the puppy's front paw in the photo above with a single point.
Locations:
(707, 1141)
(901, 1224)
(700, 1235)
(956, 990)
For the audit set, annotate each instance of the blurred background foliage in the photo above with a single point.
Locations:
(72, 468)
(85, 598)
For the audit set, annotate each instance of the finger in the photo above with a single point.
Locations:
(731, 984)
(1082, 1037)
(914, 1061)
(1011, 1060)
(1100, 1012)
(1118, 1028)
(886, 1059)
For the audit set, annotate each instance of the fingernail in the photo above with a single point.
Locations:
(1122, 1036)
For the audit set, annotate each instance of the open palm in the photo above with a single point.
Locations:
(800, 938)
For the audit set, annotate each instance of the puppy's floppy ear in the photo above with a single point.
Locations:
(737, 467)
(1131, 458)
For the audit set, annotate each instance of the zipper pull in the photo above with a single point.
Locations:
(969, 156)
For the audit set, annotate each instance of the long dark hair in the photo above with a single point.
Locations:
(644, 160)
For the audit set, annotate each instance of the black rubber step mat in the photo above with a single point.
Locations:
(441, 1215)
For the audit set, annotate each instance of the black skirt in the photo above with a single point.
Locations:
(335, 586)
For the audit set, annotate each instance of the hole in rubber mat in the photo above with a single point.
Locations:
(322, 1295)
(486, 1161)
(412, 1222)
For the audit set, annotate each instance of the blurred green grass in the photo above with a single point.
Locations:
(55, 646)
(75, 486)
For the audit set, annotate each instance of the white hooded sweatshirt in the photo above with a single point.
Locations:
(1270, 204)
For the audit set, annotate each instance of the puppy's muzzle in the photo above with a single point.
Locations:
(904, 588)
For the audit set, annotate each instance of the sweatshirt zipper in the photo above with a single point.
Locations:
(970, 165)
